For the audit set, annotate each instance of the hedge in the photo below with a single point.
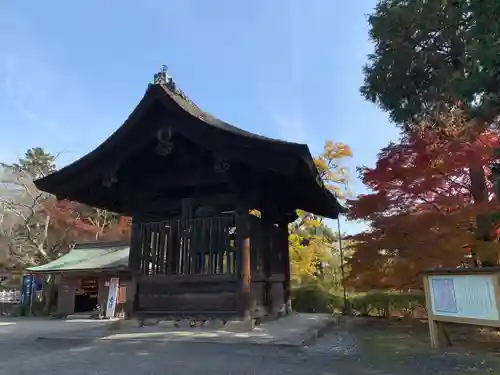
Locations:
(315, 298)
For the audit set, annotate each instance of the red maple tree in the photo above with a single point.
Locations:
(72, 222)
(421, 209)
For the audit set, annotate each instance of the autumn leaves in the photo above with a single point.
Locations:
(435, 71)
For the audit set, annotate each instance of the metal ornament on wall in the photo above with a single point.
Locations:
(221, 166)
(110, 179)
(165, 146)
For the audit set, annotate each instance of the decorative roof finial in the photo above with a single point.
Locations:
(162, 77)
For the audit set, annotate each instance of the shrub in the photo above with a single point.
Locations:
(315, 298)
(383, 303)
(311, 298)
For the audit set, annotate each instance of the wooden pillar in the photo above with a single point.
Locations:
(66, 296)
(188, 261)
(134, 259)
(267, 249)
(102, 292)
(131, 298)
(285, 259)
(243, 259)
(173, 248)
(134, 266)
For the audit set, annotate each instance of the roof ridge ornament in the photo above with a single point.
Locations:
(165, 79)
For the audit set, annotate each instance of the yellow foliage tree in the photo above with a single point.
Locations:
(311, 241)
(332, 169)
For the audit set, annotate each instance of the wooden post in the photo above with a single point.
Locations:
(285, 259)
(243, 259)
(130, 299)
(433, 329)
(268, 259)
(432, 323)
(188, 261)
(66, 296)
(134, 259)
(134, 266)
(102, 292)
(437, 333)
(173, 248)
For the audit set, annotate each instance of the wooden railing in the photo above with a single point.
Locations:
(188, 247)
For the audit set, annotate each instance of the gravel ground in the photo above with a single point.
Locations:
(141, 358)
(339, 353)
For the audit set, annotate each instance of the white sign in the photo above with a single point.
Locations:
(10, 297)
(463, 296)
(114, 284)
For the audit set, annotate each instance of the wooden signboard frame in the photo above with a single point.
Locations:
(437, 333)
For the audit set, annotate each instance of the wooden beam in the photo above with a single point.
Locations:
(202, 196)
(146, 186)
(187, 208)
(228, 199)
(153, 207)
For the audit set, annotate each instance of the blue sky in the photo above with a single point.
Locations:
(72, 71)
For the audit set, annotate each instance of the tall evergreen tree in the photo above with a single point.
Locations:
(437, 63)
(36, 163)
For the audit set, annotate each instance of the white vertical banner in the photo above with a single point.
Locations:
(114, 284)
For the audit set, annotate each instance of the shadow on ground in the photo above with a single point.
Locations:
(398, 347)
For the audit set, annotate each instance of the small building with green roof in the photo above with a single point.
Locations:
(83, 274)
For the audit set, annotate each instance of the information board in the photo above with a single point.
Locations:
(463, 296)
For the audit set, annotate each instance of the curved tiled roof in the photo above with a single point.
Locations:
(88, 257)
(288, 158)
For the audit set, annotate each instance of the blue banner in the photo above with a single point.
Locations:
(27, 288)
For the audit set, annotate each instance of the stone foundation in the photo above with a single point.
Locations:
(233, 325)
(211, 324)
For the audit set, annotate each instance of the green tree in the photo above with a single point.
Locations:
(436, 64)
(36, 163)
(432, 56)
(24, 224)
